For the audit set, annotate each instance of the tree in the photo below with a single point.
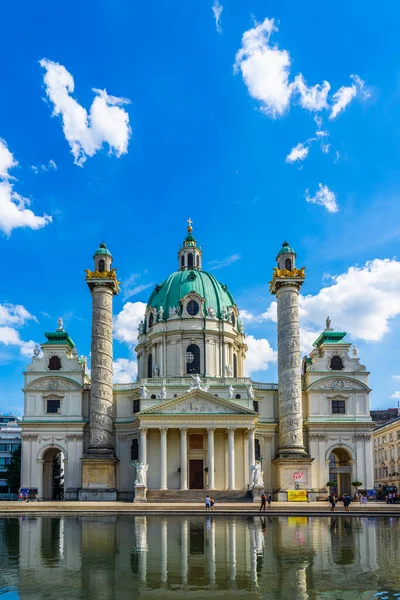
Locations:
(356, 484)
(331, 484)
(14, 471)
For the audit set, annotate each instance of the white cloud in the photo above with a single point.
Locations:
(345, 95)
(13, 316)
(225, 262)
(132, 286)
(124, 370)
(13, 207)
(106, 123)
(313, 98)
(325, 148)
(126, 322)
(324, 197)
(217, 9)
(307, 338)
(265, 69)
(269, 315)
(395, 396)
(299, 152)
(337, 156)
(51, 165)
(361, 301)
(259, 355)
(396, 377)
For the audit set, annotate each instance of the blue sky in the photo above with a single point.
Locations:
(229, 123)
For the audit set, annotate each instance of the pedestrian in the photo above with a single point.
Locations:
(212, 502)
(263, 501)
(332, 502)
(346, 502)
(208, 501)
(308, 497)
(269, 499)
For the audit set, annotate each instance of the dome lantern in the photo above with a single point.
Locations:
(190, 255)
(286, 258)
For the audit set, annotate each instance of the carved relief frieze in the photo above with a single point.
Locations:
(30, 437)
(53, 383)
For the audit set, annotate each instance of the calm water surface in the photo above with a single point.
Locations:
(296, 558)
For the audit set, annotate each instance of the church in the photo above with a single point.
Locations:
(193, 422)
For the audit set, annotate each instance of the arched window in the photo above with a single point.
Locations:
(288, 264)
(54, 363)
(101, 265)
(151, 320)
(332, 460)
(182, 260)
(257, 449)
(150, 366)
(235, 366)
(193, 359)
(192, 308)
(336, 363)
(233, 319)
(190, 260)
(135, 449)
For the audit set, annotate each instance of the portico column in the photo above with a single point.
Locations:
(252, 455)
(163, 458)
(210, 431)
(231, 458)
(184, 458)
(143, 445)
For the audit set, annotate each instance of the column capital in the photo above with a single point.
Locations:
(251, 430)
(231, 430)
(210, 430)
(183, 430)
(163, 430)
(143, 430)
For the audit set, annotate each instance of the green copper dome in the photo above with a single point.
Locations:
(172, 290)
(102, 250)
(286, 249)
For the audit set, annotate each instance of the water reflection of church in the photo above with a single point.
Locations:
(184, 557)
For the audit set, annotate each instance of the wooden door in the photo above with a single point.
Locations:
(196, 474)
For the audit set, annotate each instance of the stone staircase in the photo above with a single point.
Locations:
(198, 496)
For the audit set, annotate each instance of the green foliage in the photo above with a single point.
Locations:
(356, 484)
(331, 484)
(13, 474)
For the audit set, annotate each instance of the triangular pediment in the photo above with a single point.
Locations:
(197, 402)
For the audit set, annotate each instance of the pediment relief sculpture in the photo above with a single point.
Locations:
(54, 383)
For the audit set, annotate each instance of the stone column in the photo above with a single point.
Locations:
(101, 391)
(163, 457)
(231, 458)
(164, 551)
(143, 445)
(252, 455)
(289, 378)
(211, 460)
(184, 431)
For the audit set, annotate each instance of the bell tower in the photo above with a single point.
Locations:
(190, 255)
(98, 465)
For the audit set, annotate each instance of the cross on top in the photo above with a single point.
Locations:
(190, 222)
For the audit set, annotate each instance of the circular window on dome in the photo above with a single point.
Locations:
(192, 308)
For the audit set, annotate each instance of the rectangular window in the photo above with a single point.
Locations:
(14, 447)
(255, 405)
(391, 437)
(4, 447)
(4, 462)
(338, 407)
(257, 449)
(136, 406)
(196, 441)
(398, 451)
(53, 406)
(384, 439)
(398, 435)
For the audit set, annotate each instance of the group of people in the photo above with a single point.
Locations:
(264, 499)
(209, 503)
(333, 500)
(393, 498)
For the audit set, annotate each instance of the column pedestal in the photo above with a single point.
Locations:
(98, 479)
(284, 469)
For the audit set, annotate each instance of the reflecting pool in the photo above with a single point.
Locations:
(296, 558)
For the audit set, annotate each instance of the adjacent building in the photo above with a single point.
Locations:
(386, 453)
(10, 440)
(193, 418)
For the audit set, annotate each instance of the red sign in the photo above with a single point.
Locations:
(297, 476)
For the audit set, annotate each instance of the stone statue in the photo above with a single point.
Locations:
(161, 314)
(141, 474)
(154, 311)
(196, 385)
(60, 324)
(156, 370)
(231, 391)
(141, 327)
(163, 394)
(228, 370)
(355, 351)
(74, 352)
(173, 311)
(211, 312)
(250, 392)
(143, 391)
(258, 475)
(223, 314)
(328, 323)
(37, 350)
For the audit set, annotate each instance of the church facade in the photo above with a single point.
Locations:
(193, 420)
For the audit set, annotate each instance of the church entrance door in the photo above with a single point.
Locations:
(196, 474)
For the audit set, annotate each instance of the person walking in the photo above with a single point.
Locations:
(308, 497)
(346, 503)
(269, 499)
(212, 502)
(263, 501)
(208, 503)
(332, 502)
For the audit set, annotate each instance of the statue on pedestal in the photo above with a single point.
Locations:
(231, 391)
(258, 476)
(250, 392)
(163, 394)
(143, 391)
(141, 475)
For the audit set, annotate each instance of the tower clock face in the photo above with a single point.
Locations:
(337, 384)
